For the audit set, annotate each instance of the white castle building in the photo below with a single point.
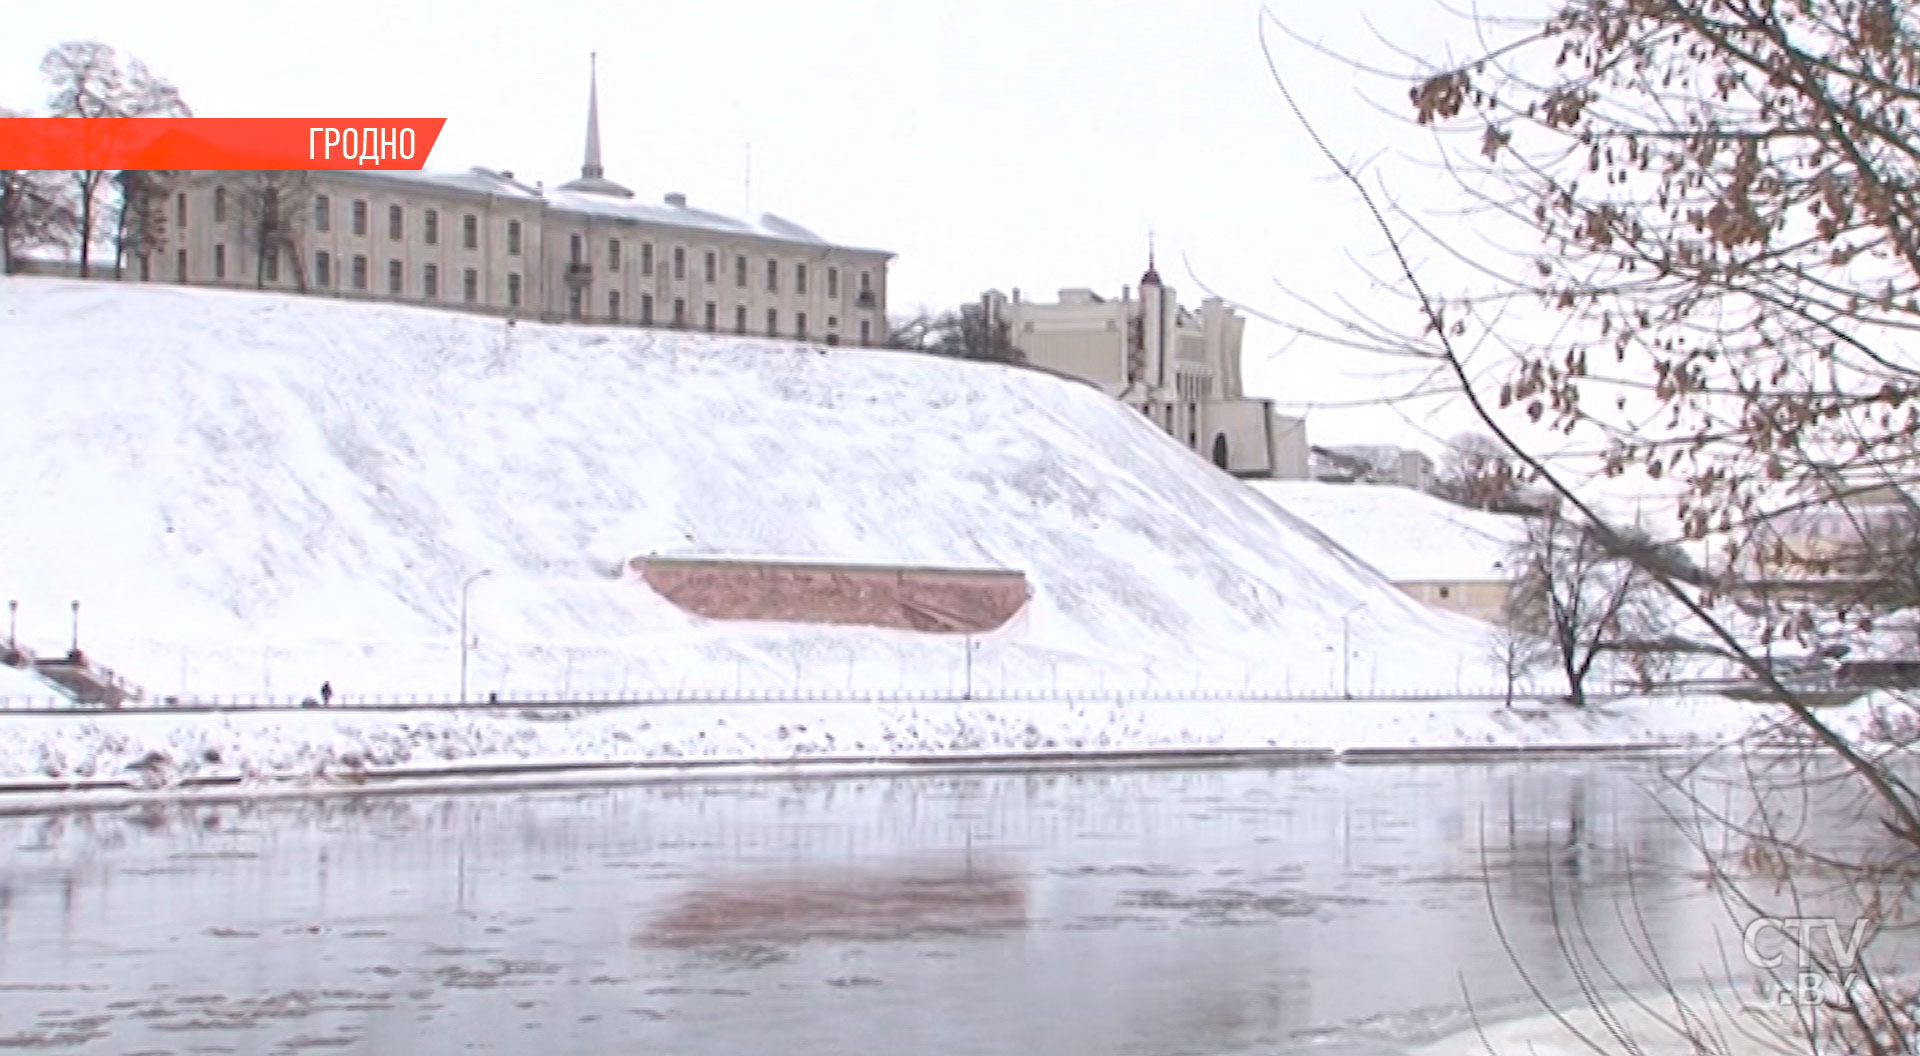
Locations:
(483, 240)
(1178, 367)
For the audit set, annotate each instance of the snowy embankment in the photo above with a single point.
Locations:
(253, 493)
(160, 749)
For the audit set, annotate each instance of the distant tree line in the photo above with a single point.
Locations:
(962, 333)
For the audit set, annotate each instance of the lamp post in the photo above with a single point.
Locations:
(13, 624)
(1346, 650)
(968, 694)
(76, 627)
(465, 589)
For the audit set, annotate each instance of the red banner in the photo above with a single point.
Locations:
(215, 144)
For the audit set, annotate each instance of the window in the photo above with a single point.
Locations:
(180, 210)
(713, 316)
(866, 333)
(679, 262)
(713, 264)
(574, 248)
(773, 276)
(740, 319)
(396, 277)
(833, 282)
(219, 205)
(180, 265)
(613, 254)
(574, 300)
(799, 278)
(646, 258)
(322, 212)
(513, 238)
(470, 231)
(800, 325)
(270, 266)
(773, 323)
(740, 272)
(613, 304)
(430, 281)
(322, 269)
(513, 291)
(431, 227)
(833, 322)
(359, 216)
(359, 272)
(470, 285)
(679, 312)
(646, 309)
(396, 223)
(219, 262)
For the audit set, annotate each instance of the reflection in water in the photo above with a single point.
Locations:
(1143, 912)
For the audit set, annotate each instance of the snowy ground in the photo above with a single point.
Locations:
(253, 493)
(159, 749)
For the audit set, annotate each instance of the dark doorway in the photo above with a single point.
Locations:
(1220, 450)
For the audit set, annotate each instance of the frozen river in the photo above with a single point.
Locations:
(1150, 912)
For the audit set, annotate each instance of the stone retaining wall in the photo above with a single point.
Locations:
(938, 600)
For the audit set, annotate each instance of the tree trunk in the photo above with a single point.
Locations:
(86, 222)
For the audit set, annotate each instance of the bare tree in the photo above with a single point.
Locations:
(272, 210)
(1582, 601)
(140, 224)
(88, 81)
(33, 212)
(1719, 207)
(1477, 471)
(1516, 650)
(963, 333)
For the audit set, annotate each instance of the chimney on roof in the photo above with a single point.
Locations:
(677, 200)
(1016, 295)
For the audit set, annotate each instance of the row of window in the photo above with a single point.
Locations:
(356, 278)
(470, 239)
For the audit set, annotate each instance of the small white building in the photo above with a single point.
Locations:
(1373, 464)
(1179, 367)
(1444, 555)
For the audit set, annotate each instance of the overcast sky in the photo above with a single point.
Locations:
(998, 143)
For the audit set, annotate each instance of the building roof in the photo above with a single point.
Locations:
(1410, 536)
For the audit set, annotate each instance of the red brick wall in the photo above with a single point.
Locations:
(938, 600)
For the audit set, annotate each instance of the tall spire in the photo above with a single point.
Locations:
(592, 170)
(1152, 276)
(593, 176)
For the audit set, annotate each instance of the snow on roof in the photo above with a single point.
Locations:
(768, 226)
(476, 180)
(1410, 536)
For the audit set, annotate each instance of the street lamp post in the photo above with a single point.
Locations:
(465, 589)
(13, 624)
(76, 628)
(1346, 651)
(968, 694)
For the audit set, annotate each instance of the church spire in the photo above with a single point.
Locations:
(1152, 276)
(591, 169)
(593, 176)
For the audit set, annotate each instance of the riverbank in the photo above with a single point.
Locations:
(239, 752)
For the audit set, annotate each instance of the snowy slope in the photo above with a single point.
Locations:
(254, 493)
(1408, 535)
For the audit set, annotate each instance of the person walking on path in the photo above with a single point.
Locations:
(326, 694)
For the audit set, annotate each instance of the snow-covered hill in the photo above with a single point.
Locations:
(254, 493)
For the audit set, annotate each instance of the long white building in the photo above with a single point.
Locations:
(484, 240)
